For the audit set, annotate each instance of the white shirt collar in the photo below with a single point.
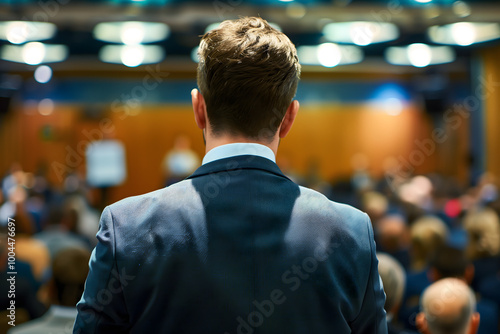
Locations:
(235, 149)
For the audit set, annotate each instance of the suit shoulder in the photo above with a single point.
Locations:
(173, 195)
(316, 220)
(315, 203)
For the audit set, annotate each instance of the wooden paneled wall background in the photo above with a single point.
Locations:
(328, 135)
(491, 94)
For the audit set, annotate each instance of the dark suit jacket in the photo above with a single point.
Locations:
(235, 248)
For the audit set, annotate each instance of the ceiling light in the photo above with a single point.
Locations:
(34, 53)
(131, 32)
(131, 55)
(464, 33)
(360, 32)
(19, 32)
(329, 54)
(419, 55)
(43, 74)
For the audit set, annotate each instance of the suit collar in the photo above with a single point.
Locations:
(236, 163)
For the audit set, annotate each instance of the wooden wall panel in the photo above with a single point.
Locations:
(491, 91)
(327, 134)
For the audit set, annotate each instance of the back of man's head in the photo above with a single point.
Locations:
(483, 228)
(69, 271)
(428, 233)
(248, 75)
(392, 233)
(448, 307)
(394, 279)
(449, 261)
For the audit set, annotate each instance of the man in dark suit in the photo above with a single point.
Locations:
(237, 247)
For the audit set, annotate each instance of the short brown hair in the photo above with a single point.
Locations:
(69, 271)
(248, 74)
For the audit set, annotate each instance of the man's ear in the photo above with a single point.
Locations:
(421, 323)
(469, 273)
(199, 109)
(289, 118)
(433, 275)
(474, 323)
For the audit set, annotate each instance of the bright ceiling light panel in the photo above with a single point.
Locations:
(329, 54)
(19, 32)
(464, 33)
(43, 74)
(360, 32)
(131, 32)
(131, 55)
(419, 55)
(34, 53)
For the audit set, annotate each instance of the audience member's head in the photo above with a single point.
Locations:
(451, 262)
(64, 217)
(392, 233)
(483, 228)
(428, 233)
(248, 75)
(448, 306)
(394, 280)
(69, 271)
(374, 204)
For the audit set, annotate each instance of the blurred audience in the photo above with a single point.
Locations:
(392, 237)
(483, 228)
(28, 249)
(181, 161)
(429, 228)
(69, 271)
(48, 221)
(394, 278)
(61, 230)
(450, 262)
(361, 178)
(448, 307)
(375, 205)
(314, 180)
(428, 233)
(28, 306)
